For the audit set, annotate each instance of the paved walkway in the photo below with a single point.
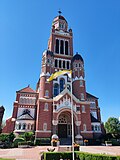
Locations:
(112, 150)
(34, 152)
(23, 153)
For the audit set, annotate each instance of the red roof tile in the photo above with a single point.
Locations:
(27, 90)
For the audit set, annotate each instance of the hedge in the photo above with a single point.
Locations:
(57, 155)
(90, 156)
(42, 141)
(23, 143)
(17, 140)
(78, 155)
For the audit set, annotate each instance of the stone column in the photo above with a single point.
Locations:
(55, 123)
(78, 123)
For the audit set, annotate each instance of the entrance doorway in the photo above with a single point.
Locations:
(62, 130)
(64, 126)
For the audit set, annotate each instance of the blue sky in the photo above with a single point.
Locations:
(24, 31)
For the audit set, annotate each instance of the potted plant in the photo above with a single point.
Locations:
(108, 143)
(85, 142)
(54, 142)
(76, 147)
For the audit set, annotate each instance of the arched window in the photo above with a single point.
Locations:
(92, 128)
(83, 109)
(56, 62)
(61, 47)
(62, 84)
(55, 107)
(81, 83)
(68, 65)
(56, 89)
(24, 126)
(57, 46)
(28, 101)
(46, 107)
(46, 93)
(82, 96)
(96, 128)
(33, 101)
(48, 60)
(29, 126)
(32, 127)
(45, 126)
(99, 128)
(66, 47)
(16, 127)
(63, 64)
(84, 127)
(25, 100)
(62, 119)
(59, 63)
(21, 100)
(19, 126)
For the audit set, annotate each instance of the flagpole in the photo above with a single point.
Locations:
(72, 120)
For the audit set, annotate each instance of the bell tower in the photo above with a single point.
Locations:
(61, 39)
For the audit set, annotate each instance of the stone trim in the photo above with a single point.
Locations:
(41, 131)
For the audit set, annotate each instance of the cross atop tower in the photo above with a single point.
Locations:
(59, 12)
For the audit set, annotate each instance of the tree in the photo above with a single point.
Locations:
(11, 137)
(28, 136)
(113, 126)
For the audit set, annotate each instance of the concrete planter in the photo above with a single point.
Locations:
(23, 146)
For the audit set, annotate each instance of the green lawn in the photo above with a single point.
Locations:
(6, 159)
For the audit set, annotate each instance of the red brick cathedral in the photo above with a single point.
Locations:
(47, 110)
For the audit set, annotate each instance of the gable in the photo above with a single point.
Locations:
(65, 94)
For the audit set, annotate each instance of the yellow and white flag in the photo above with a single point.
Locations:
(59, 73)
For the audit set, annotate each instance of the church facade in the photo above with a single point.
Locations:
(47, 110)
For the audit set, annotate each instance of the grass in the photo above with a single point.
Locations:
(6, 159)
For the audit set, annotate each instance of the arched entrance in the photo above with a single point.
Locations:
(64, 125)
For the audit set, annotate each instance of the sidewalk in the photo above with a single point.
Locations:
(34, 152)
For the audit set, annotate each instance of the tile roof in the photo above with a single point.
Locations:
(90, 95)
(27, 90)
(93, 119)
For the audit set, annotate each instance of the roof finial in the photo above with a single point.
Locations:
(59, 12)
(28, 85)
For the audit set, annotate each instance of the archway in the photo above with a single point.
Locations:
(64, 125)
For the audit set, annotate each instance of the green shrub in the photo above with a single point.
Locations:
(80, 155)
(17, 140)
(30, 143)
(115, 142)
(4, 137)
(11, 137)
(7, 139)
(57, 155)
(108, 142)
(28, 136)
(118, 158)
(23, 143)
(6, 159)
(42, 141)
(90, 156)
